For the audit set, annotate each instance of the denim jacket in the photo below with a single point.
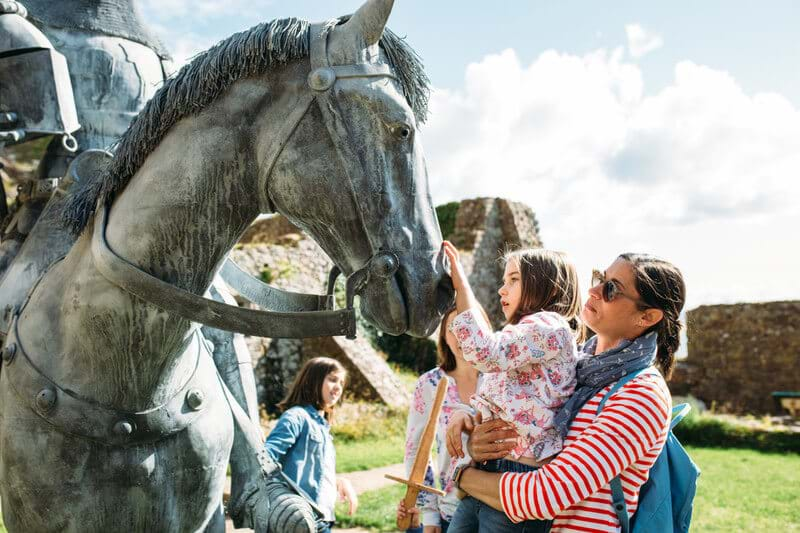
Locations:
(301, 442)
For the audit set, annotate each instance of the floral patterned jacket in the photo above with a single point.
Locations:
(529, 372)
(433, 508)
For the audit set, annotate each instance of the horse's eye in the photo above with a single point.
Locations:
(404, 132)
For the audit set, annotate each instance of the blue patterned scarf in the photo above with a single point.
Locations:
(594, 372)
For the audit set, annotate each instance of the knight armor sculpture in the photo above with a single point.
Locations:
(115, 67)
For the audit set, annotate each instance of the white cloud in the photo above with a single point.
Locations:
(187, 26)
(201, 10)
(608, 168)
(641, 41)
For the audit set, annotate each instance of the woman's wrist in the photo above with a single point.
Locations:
(458, 472)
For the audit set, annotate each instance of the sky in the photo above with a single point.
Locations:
(670, 128)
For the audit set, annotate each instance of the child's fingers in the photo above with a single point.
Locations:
(449, 443)
(451, 252)
(469, 425)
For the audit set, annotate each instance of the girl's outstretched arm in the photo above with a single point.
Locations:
(537, 338)
(465, 298)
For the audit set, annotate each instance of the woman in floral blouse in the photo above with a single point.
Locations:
(462, 379)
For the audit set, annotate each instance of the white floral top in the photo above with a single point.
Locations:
(529, 372)
(433, 508)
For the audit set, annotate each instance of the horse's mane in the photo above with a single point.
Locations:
(248, 53)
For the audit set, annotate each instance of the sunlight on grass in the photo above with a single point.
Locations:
(376, 509)
(739, 490)
(366, 454)
(744, 490)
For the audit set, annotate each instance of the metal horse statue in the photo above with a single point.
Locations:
(112, 414)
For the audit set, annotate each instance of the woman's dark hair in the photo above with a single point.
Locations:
(307, 386)
(549, 283)
(447, 359)
(660, 285)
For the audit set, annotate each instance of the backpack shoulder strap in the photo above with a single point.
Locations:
(622, 381)
(617, 496)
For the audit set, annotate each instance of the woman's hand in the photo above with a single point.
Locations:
(402, 511)
(491, 440)
(347, 493)
(456, 268)
(432, 529)
(460, 422)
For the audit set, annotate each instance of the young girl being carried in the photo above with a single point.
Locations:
(301, 440)
(528, 367)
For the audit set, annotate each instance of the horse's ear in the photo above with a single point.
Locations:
(369, 20)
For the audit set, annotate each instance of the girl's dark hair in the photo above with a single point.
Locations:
(307, 386)
(660, 286)
(447, 359)
(549, 283)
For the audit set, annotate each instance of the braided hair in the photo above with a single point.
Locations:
(660, 285)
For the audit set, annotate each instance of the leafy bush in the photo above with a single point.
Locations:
(710, 431)
(446, 213)
(359, 420)
(409, 352)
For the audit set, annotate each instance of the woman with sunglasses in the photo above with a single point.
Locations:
(634, 309)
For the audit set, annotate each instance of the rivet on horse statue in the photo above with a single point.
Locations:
(112, 414)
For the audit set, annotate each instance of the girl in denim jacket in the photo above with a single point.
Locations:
(301, 441)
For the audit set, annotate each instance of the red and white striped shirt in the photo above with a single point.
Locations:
(624, 439)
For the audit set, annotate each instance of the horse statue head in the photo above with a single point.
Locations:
(316, 122)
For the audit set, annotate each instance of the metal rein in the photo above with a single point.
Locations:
(291, 315)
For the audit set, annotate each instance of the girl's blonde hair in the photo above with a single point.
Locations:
(307, 386)
(549, 283)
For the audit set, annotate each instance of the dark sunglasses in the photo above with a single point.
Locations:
(611, 290)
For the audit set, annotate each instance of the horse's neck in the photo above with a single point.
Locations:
(176, 219)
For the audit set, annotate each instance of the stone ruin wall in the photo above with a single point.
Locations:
(739, 354)
(278, 252)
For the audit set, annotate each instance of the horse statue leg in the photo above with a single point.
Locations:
(260, 497)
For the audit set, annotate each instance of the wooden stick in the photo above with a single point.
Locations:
(414, 482)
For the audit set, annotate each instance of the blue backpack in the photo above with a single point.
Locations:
(665, 500)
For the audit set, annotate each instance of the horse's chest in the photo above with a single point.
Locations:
(56, 463)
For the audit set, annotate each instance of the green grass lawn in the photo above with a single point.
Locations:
(352, 456)
(739, 490)
(376, 509)
(744, 490)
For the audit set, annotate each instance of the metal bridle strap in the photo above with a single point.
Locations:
(209, 312)
(270, 297)
(321, 80)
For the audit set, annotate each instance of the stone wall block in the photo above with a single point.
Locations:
(739, 354)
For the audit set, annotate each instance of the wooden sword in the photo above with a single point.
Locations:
(414, 482)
